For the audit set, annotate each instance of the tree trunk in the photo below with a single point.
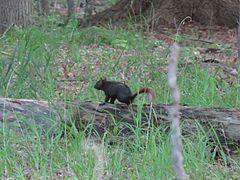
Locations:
(87, 13)
(165, 12)
(45, 6)
(71, 9)
(17, 12)
(21, 113)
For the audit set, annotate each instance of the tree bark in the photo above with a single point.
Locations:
(20, 113)
(45, 6)
(17, 12)
(87, 13)
(71, 9)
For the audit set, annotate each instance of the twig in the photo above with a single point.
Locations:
(177, 156)
(9, 27)
(5, 53)
(202, 40)
(149, 121)
(92, 144)
(238, 40)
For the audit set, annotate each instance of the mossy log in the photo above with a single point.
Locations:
(24, 113)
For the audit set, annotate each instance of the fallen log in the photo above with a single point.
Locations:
(98, 119)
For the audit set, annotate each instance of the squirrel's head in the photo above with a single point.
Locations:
(99, 84)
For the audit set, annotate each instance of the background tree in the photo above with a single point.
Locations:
(71, 9)
(44, 6)
(87, 12)
(17, 12)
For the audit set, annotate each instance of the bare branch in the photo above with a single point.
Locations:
(177, 156)
(238, 40)
(93, 144)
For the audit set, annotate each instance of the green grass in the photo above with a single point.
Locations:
(32, 69)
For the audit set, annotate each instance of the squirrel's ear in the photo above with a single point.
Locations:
(104, 78)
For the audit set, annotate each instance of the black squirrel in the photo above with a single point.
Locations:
(120, 91)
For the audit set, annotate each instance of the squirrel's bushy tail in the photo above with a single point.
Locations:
(150, 92)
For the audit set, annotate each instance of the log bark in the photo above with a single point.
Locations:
(22, 114)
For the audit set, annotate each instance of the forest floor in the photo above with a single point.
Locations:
(45, 61)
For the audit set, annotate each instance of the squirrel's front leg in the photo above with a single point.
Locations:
(105, 101)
